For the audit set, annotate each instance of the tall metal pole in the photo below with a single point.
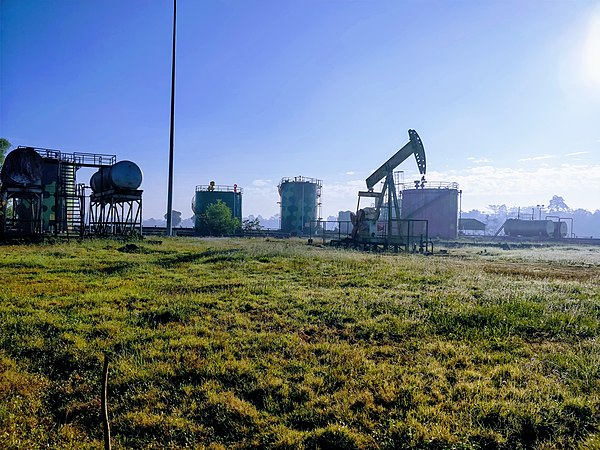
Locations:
(390, 184)
(459, 208)
(170, 188)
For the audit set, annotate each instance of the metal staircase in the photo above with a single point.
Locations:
(70, 197)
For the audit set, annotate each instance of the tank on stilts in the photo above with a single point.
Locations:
(116, 201)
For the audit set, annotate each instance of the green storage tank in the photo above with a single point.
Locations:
(209, 194)
(50, 191)
(59, 189)
(300, 204)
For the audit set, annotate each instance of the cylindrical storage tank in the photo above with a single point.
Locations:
(299, 204)
(439, 206)
(96, 181)
(560, 229)
(59, 180)
(22, 168)
(121, 176)
(529, 228)
(50, 189)
(125, 175)
(231, 196)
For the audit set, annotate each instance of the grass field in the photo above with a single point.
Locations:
(239, 344)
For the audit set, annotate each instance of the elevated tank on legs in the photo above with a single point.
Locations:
(121, 176)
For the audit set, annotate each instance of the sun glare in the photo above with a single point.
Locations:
(591, 50)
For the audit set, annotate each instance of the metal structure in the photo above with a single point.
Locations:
(21, 193)
(116, 201)
(382, 223)
(63, 203)
(471, 226)
(172, 129)
(52, 204)
(300, 204)
(413, 235)
(207, 195)
(437, 202)
(561, 229)
(543, 229)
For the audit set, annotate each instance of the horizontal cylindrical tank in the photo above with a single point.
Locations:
(299, 203)
(439, 206)
(529, 228)
(22, 168)
(560, 229)
(121, 176)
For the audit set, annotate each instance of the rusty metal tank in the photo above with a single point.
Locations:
(438, 204)
(22, 168)
(121, 176)
(529, 228)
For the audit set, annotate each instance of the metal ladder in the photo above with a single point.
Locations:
(70, 200)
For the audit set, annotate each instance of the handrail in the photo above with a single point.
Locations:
(429, 185)
(76, 158)
(301, 179)
(218, 188)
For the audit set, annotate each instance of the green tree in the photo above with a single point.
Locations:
(217, 220)
(252, 225)
(557, 204)
(4, 146)
(175, 218)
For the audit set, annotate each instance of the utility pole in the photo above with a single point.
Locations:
(170, 187)
(460, 209)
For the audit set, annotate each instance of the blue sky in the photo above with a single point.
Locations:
(504, 94)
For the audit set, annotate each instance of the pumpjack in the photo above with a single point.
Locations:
(365, 221)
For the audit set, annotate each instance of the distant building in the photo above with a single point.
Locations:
(471, 227)
(345, 223)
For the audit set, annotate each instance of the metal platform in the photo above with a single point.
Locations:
(78, 159)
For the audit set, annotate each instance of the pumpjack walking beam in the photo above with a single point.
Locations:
(413, 147)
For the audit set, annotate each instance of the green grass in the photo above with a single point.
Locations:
(241, 344)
